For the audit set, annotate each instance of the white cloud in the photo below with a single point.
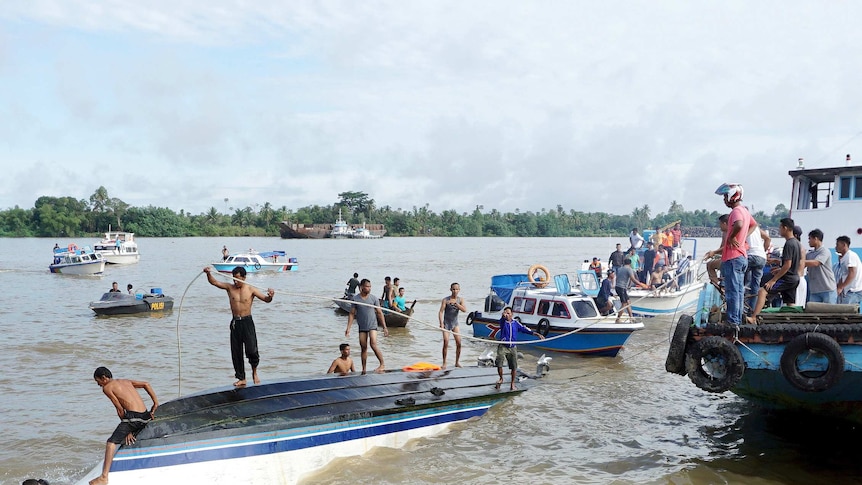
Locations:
(595, 107)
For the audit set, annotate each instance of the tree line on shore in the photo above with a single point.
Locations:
(70, 217)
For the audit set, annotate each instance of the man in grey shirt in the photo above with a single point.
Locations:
(625, 278)
(818, 262)
(367, 313)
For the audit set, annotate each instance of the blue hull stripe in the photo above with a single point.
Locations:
(284, 441)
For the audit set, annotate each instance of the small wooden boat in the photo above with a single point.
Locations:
(397, 319)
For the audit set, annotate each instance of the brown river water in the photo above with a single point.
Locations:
(602, 420)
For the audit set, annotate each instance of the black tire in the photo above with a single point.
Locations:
(470, 317)
(714, 364)
(675, 362)
(804, 346)
(543, 327)
(257, 266)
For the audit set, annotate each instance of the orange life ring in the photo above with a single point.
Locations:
(540, 283)
(420, 367)
(72, 248)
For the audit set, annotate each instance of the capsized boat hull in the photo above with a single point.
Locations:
(278, 432)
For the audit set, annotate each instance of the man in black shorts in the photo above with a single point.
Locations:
(131, 409)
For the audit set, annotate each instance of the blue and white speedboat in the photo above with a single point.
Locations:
(279, 432)
(566, 316)
(809, 361)
(254, 262)
(77, 261)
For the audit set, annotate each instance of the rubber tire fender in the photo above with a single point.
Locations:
(470, 317)
(543, 327)
(675, 362)
(257, 266)
(807, 342)
(538, 284)
(714, 350)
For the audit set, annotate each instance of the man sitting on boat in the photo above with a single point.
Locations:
(399, 301)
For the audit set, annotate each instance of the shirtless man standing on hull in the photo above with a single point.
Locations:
(242, 333)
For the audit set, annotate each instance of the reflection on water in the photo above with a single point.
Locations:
(595, 420)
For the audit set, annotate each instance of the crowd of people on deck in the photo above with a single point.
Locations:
(657, 264)
(753, 275)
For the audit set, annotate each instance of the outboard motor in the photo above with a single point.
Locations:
(488, 358)
(543, 366)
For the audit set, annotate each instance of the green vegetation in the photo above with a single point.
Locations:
(67, 217)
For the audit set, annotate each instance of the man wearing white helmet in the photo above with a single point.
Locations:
(734, 254)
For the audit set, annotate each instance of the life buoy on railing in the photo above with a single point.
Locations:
(714, 364)
(543, 327)
(543, 281)
(812, 345)
(470, 317)
(72, 247)
(675, 362)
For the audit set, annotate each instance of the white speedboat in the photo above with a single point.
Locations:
(77, 261)
(118, 247)
(254, 262)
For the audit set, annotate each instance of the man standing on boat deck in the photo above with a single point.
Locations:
(506, 349)
(131, 409)
(224, 253)
(367, 313)
(818, 262)
(242, 332)
(734, 255)
(616, 258)
(758, 241)
(448, 316)
(849, 274)
(635, 239)
(352, 284)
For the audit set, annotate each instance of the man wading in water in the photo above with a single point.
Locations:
(242, 333)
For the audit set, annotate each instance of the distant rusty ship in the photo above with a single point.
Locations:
(322, 231)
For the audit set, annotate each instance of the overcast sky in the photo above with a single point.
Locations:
(595, 106)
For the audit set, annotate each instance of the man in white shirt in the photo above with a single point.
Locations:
(848, 278)
(635, 239)
(758, 241)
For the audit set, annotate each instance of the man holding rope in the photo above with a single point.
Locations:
(367, 313)
(242, 333)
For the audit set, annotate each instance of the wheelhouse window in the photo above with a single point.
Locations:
(523, 305)
(553, 309)
(584, 309)
(850, 187)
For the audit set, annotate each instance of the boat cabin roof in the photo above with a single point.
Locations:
(827, 174)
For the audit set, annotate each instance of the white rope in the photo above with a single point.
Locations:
(179, 340)
(434, 326)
